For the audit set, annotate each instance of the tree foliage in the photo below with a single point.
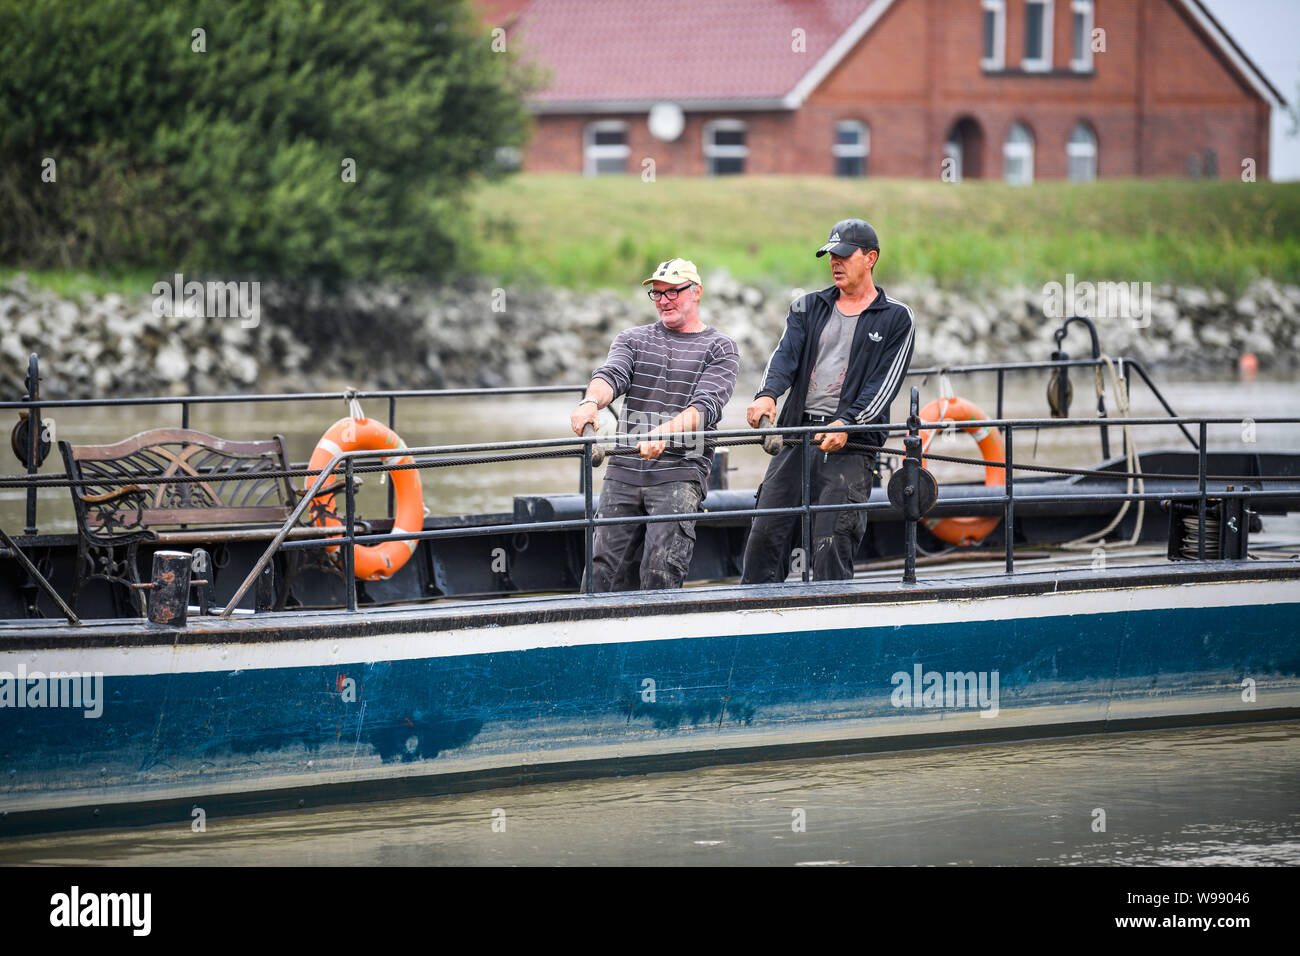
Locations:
(216, 135)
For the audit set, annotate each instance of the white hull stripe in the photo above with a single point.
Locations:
(418, 643)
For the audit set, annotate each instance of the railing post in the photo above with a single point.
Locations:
(1009, 519)
(1001, 377)
(805, 471)
(589, 531)
(348, 559)
(1200, 482)
(33, 437)
(388, 475)
(911, 486)
(185, 414)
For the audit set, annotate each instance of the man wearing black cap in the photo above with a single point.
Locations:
(842, 359)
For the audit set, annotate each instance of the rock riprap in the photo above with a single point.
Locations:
(474, 334)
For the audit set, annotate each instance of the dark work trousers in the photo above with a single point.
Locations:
(836, 535)
(626, 557)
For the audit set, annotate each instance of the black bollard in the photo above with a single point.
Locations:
(911, 489)
(264, 600)
(169, 595)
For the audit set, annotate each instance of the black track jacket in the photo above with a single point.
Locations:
(881, 352)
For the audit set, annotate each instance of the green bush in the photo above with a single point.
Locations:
(231, 158)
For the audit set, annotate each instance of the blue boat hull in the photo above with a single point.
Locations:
(248, 715)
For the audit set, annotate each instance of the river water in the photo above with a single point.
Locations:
(1203, 796)
(1212, 796)
(491, 488)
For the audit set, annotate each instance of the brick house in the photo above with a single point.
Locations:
(1013, 89)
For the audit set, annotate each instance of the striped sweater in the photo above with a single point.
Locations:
(661, 372)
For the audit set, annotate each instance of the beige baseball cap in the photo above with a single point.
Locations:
(676, 271)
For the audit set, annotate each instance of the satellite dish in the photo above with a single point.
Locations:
(666, 121)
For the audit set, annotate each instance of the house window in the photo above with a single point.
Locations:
(1018, 156)
(1081, 154)
(725, 150)
(605, 149)
(1081, 36)
(1038, 35)
(852, 144)
(994, 28)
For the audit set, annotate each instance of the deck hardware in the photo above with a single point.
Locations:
(597, 451)
(772, 444)
(169, 591)
(912, 481)
(265, 598)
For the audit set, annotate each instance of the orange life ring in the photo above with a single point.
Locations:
(372, 562)
(965, 531)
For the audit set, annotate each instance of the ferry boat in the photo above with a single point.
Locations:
(267, 672)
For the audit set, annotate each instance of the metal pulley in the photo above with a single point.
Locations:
(20, 440)
(1060, 390)
(926, 491)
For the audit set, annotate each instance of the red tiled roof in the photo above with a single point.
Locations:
(686, 51)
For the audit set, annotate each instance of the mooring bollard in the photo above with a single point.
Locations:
(169, 592)
(264, 600)
(201, 565)
(912, 480)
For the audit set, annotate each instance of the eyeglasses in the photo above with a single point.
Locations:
(669, 294)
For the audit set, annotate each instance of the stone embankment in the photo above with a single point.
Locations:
(472, 334)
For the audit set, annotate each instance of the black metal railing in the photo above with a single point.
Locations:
(354, 462)
(581, 447)
(32, 404)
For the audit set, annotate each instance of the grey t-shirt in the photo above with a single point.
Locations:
(832, 362)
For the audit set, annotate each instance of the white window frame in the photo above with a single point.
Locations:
(1023, 151)
(860, 150)
(1075, 150)
(999, 59)
(713, 151)
(1044, 63)
(1084, 7)
(591, 152)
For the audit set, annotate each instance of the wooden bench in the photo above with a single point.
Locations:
(115, 513)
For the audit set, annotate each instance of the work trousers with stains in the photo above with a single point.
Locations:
(646, 556)
(836, 535)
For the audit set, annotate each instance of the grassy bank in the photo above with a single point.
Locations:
(583, 232)
(587, 233)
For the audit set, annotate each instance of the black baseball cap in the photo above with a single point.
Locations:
(850, 234)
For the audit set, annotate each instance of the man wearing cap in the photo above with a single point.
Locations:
(676, 374)
(842, 359)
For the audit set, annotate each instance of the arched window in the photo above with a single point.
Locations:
(604, 149)
(1081, 154)
(851, 148)
(1018, 156)
(725, 147)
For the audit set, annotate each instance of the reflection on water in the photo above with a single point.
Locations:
(1217, 796)
(491, 488)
